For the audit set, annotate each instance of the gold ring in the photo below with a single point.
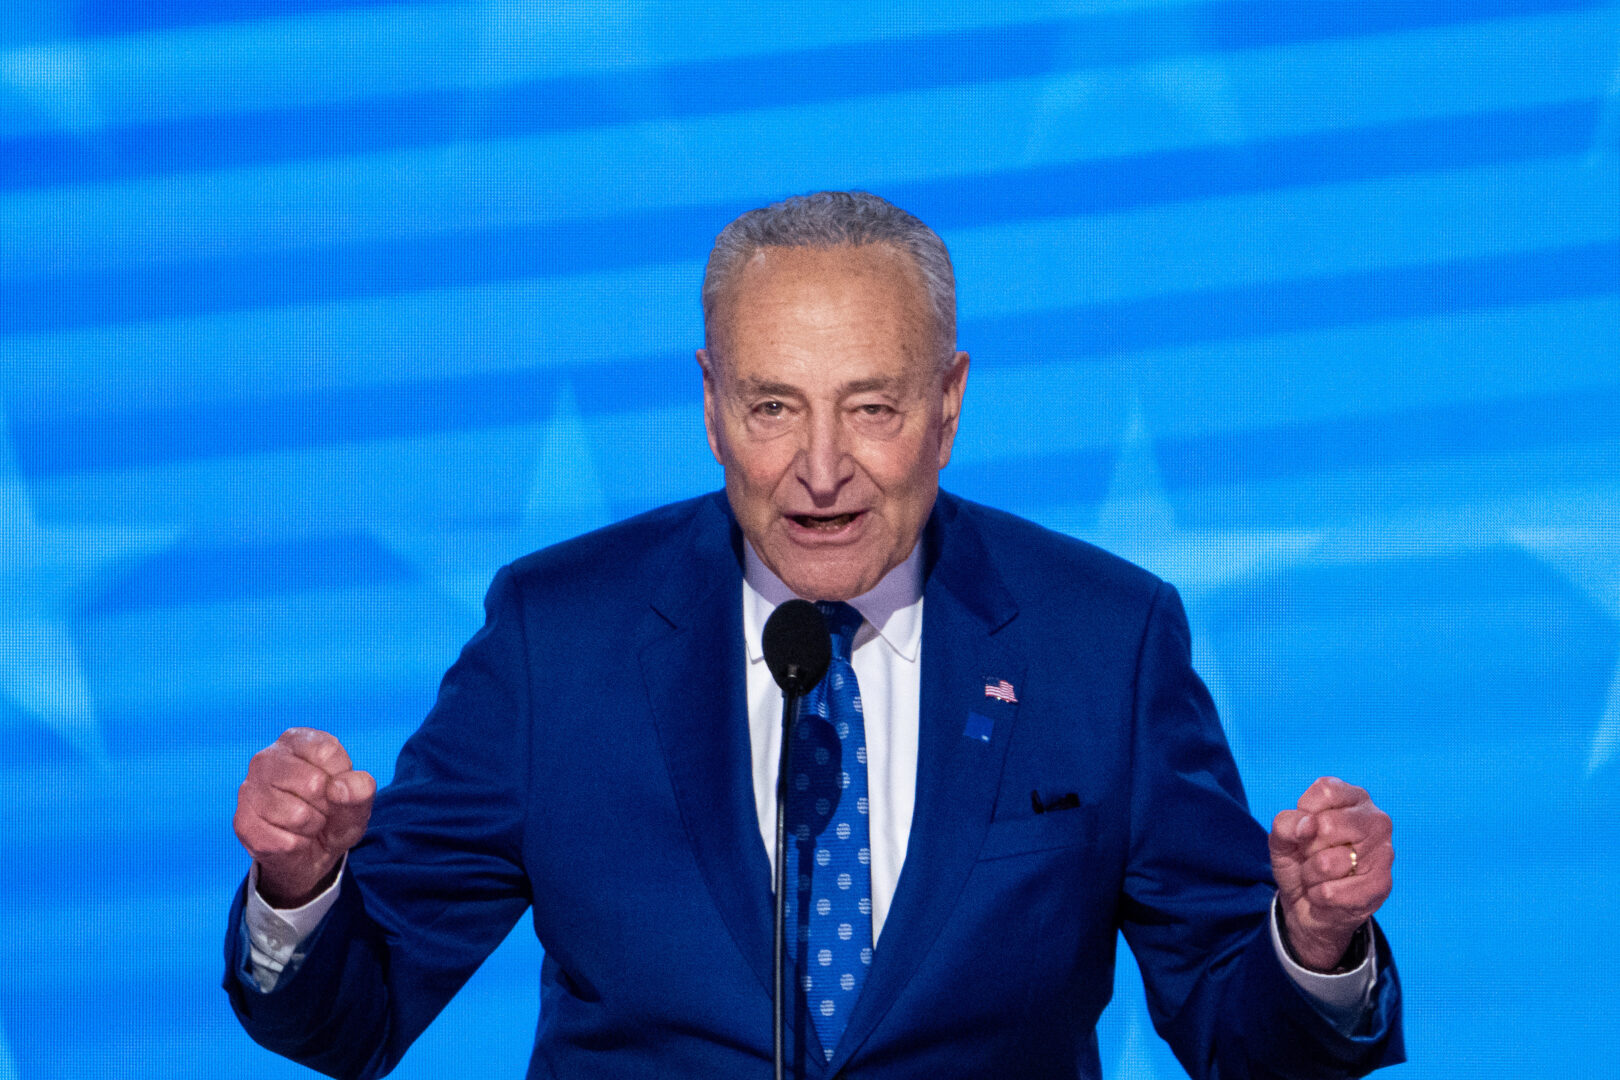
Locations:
(1353, 860)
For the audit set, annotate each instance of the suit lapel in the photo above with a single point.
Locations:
(693, 668)
(962, 741)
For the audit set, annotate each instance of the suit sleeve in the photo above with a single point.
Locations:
(1198, 890)
(434, 886)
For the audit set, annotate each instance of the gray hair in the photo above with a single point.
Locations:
(826, 219)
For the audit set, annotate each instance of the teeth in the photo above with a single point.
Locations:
(836, 521)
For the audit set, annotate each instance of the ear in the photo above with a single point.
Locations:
(955, 384)
(711, 416)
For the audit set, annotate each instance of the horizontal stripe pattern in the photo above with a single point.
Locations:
(882, 140)
(343, 271)
(312, 314)
(672, 90)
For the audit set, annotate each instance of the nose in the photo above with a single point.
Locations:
(824, 461)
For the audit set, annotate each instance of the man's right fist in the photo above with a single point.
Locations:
(301, 808)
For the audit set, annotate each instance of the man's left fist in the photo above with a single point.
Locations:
(1331, 858)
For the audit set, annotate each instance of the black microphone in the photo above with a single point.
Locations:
(797, 646)
(797, 650)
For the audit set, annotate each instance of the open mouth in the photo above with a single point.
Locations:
(823, 522)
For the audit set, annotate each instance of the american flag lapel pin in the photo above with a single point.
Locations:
(1001, 690)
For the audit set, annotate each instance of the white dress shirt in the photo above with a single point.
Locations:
(887, 658)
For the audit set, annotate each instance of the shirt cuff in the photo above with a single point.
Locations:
(274, 935)
(1342, 998)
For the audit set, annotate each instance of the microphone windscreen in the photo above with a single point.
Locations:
(797, 646)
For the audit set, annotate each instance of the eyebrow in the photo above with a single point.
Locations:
(750, 387)
(780, 389)
(862, 386)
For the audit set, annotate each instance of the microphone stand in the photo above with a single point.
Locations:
(790, 712)
(797, 650)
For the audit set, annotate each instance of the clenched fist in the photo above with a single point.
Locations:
(301, 808)
(1331, 858)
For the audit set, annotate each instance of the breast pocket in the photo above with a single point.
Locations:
(1040, 832)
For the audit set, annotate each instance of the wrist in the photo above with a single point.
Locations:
(1321, 955)
(282, 895)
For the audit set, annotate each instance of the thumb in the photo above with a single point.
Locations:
(348, 797)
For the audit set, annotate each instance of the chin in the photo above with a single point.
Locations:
(816, 588)
(830, 584)
(825, 572)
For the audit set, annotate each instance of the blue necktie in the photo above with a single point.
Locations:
(829, 853)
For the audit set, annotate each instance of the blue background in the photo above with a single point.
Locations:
(313, 313)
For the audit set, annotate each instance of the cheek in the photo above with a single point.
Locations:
(908, 478)
(901, 464)
(760, 466)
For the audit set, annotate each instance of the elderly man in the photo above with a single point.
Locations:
(1009, 762)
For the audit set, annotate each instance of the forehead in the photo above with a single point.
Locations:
(835, 301)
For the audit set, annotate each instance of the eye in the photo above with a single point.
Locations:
(769, 408)
(875, 409)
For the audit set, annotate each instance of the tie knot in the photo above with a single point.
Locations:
(842, 622)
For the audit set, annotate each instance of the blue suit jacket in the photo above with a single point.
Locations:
(589, 758)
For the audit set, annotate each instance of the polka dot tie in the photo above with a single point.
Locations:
(829, 853)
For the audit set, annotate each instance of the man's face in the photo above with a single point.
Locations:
(826, 406)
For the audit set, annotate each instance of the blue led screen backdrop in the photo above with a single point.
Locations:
(314, 313)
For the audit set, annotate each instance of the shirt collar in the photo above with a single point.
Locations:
(892, 608)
